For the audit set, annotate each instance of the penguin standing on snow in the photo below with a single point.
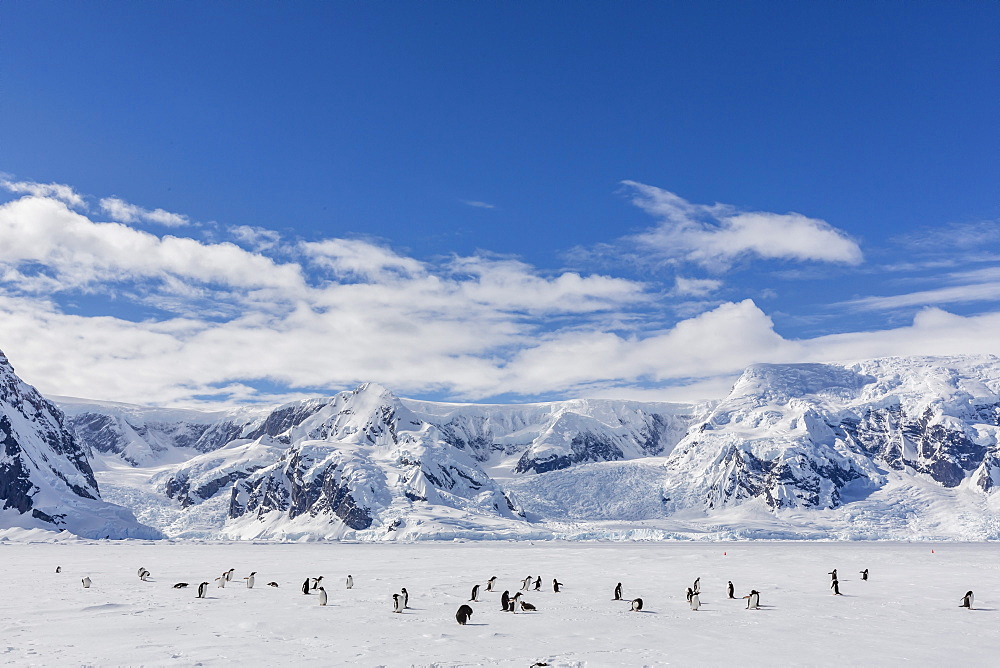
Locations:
(316, 581)
(505, 600)
(475, 594)
(250, 580)
(322, 596)
(690, 593)
(490, 582)
(202, 588)
(538, 583)
(695, 602)
(305, 586)
(350, 582)
(406, 597)
(731, 589)
(222, 581)
(833, 574)
(58, 569)
(753, 600)
(835, 586)
(864, 574)
(86, 582)
(229, 574)
(463, 614)
(143, 574)
(967, 600)
(618, 592)
(555, 585)
(696, 587)
(636, 605)
(525, 583)
(397, 603)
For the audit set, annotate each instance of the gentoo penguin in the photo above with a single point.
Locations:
(525, 583)
(222, 581)
(835, 586)
(690, 593)
(322, 596)
(229, 574)
(527, 607)
(753, 600)
(463, 614)
(864, 574)
(618, 592)
(490, 582)
(505, 600)
(143, 574)
(514, 602)
(250, 580)
(58, 569)
(636, 605)
(86, 582)
(966, 600)
(406, 597)
(696, 587)
(555, 585)
(397, 603)
(538, 583)
(272, 584)
(475, 593)
(316, 581)
(350, 582)
(180, 585)
(695, 602)
(305, 586)
(202, 588)
(731, 589)
(139, 572)
(833, 574)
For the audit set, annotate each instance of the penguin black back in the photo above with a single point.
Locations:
(618, 592)
(636, 604)
(505, 600)
(463, 614)
(475, 593)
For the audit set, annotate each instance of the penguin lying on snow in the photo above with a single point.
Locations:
(463, 614)
(180, 585)
(636, 605)
(272, 584)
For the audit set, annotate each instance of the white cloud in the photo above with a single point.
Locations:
(694, 287)
(124, 212)
(715, 236)
(478, 205)
(78, 252)
(258, 238)
(58, 191)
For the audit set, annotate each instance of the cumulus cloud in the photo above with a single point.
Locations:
(714, 236)
(124, 212)
(57, 191)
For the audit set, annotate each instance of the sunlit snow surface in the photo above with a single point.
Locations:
(907, 613)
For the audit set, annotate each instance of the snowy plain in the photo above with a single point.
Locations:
(907, 614)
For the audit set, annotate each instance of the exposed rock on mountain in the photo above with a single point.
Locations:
(46, 480)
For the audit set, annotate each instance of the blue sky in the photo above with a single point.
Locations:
(490, 201)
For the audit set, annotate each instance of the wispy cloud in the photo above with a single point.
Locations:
(124, 212)
(58, 191)
(714, 236)
(478, 205)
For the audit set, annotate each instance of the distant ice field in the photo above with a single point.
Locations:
(906, 614)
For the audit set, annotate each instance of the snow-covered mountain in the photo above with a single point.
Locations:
(46, 480)
(887, 448)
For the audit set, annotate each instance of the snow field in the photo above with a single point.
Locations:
(907, 613)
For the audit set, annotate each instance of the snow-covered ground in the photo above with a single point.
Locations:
(907, 613)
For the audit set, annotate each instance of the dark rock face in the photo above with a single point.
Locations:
(295, 486)
(899, 441)
(586, 447)
(179, 487)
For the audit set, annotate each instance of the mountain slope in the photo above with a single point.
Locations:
(46, 480)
